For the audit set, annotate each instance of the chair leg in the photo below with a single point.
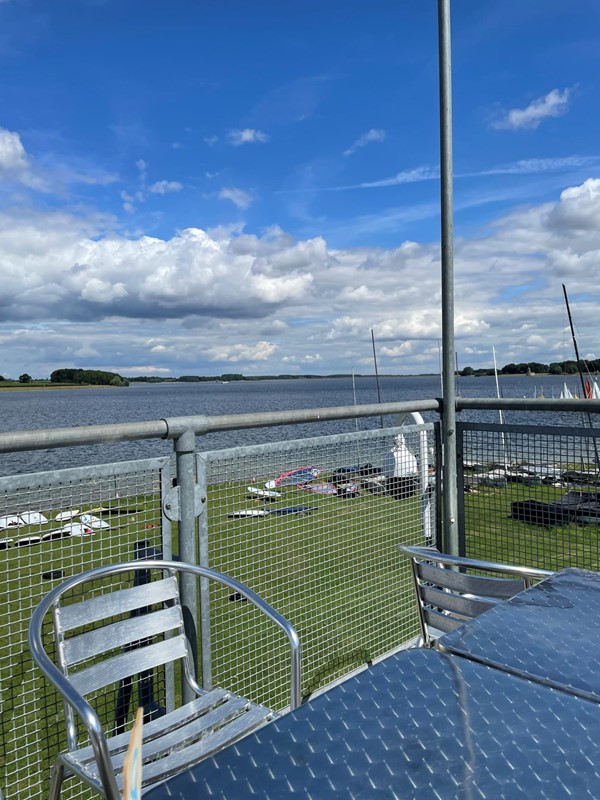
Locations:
(56, 780)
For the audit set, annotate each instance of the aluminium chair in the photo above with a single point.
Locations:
(110, 635)
(451, 590)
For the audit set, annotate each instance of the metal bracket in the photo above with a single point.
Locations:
(171, 503)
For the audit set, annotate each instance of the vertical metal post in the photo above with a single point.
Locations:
(460, 482)
(184, 455)
(203, 553)
(448, 351)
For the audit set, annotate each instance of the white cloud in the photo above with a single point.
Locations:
(12, 152)
(554, 104)
(246, 136)
(415, 175)
(238, 197)
(211, 140)
(145, 369)
(163, 187)
(47, 265)
(199, 301)
(535, 166)
(140, 194)
(142, 167)
(528, 166)
(235, 353)
(49, 174)
(373, 135)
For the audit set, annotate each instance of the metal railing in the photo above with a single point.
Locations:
(328, 562)
(325, 557)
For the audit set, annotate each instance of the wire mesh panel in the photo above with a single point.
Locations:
(531, 494)
(53, 525)
(314, 526)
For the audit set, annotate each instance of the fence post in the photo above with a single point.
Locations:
(203, 560)
(184, 455)
(460, 488)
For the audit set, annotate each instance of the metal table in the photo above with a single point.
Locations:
(420, 724)
(548, 633)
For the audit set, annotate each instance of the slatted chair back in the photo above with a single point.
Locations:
(451, 590)
(110, 640)
(111, 636)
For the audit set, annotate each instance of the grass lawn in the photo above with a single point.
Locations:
(334, 571)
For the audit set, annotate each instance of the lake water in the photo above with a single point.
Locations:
(30, 409)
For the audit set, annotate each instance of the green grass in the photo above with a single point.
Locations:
(8, 385)
(336, 573)
(492, 534)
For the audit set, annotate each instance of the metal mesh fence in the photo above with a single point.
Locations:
(314, 526)
(53, 525)
(530, 494)
(319, 544)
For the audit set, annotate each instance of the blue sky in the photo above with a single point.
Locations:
(199, 188)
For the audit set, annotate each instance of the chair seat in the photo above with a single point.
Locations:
(178, 739)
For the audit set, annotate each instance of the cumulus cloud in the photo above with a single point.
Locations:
(554, 104)
(63, 275)
(238, 197)
(73, 292)
(373, 135)
(246, 136)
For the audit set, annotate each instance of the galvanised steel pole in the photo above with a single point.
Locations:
(185, 445)
(450, 504)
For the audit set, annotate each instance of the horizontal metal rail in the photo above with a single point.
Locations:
(174, 427)
(528, 404)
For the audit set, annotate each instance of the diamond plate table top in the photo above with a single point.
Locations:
(548, 633)
(419, 724)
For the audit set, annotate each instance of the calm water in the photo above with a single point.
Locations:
(22, 410)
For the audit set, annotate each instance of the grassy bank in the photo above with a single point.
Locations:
(17, 386)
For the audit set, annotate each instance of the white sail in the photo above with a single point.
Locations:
(566, 393)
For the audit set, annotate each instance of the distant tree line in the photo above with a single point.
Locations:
(229, 377)
(94, 377)
(535, 367)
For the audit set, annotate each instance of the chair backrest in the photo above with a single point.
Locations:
(451, 590)
(118, 635)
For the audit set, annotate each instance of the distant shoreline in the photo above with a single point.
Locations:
(15, 386)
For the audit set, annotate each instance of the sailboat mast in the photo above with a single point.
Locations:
(574, 341)
(589, 416)
(500, 414)
(376, 373)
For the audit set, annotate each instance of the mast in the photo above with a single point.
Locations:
(589, 416)
(376, 373)
(500, 412)
(575, 345)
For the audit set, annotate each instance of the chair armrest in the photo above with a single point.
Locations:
(78, 703)
(488, 566)
(262, 605)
